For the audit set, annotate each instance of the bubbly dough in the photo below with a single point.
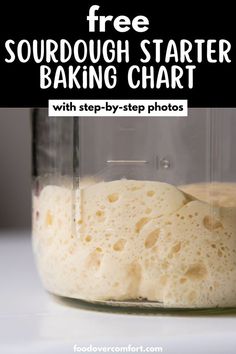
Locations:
(137, 240)
(218, 194)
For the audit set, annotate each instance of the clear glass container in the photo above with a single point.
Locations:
(137, 211)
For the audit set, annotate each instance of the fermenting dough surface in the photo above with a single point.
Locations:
(138, 240)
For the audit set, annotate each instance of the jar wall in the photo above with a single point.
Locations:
(137, 211)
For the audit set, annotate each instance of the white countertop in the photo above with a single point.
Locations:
(31, 321)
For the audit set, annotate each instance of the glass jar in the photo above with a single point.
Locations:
(137, 211)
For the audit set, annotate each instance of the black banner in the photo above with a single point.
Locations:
(119, 51)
